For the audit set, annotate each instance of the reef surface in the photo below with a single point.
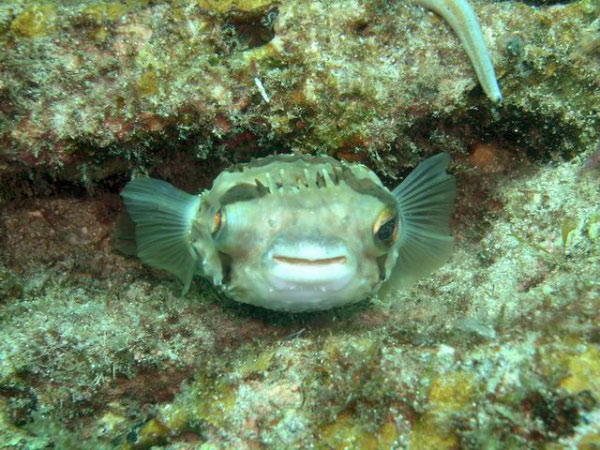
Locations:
(500, 348)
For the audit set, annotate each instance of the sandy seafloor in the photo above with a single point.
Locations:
(498, 349)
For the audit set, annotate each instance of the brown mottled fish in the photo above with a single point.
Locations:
(297, 233)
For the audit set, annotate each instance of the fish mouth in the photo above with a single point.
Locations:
(310, 262)
(305, 266)
(330, 273)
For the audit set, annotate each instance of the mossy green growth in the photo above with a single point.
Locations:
(104, 12)
(148, 84)
(593, 228)
(584, 372)
(348, 432)
(35, 21)
(449, 394)
(152, 433)
(590, 6)
(427, 434)
(222, 6)
(211, 399)
(260, 363)
(591, 441)
(212, 402)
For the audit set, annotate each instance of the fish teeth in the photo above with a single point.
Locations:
(270, 182)
(327, 176)
(307, 180)
(262, 189)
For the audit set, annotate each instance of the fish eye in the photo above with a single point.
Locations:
(219, 222)
(385, 228)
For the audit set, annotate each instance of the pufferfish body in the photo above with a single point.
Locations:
(296, 232)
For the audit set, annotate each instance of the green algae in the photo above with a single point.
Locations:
(36, 21)
(104, 12)
(148, 84)
(346, 433)
(583, 372)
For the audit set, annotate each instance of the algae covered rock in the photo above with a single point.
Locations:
(497, 349)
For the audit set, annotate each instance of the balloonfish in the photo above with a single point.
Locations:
(295, 232)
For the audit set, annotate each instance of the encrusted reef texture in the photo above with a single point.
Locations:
(498, 349)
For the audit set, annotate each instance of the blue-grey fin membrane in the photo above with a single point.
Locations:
(124, 235)
(163, 217)
(425, 203)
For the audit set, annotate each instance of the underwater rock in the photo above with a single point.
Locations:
(84, 86)
(497, 349)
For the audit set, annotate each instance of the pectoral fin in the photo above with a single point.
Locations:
(163, 217)
(425, 203)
